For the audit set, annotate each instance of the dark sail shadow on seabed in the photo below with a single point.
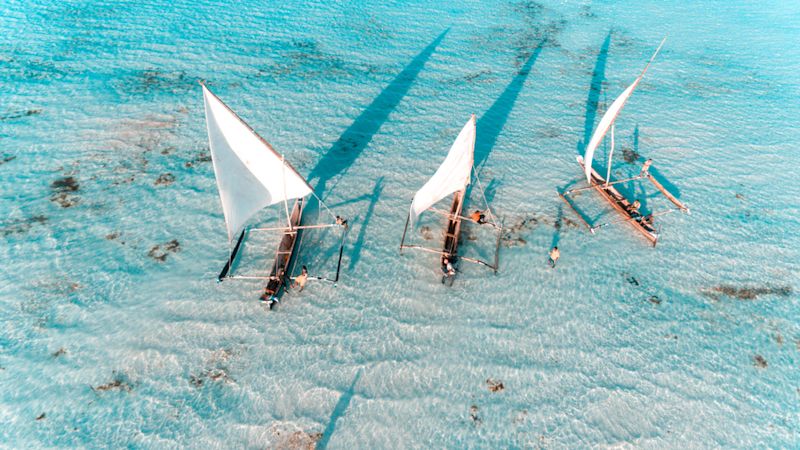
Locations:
(494, 119)
(674, 190)
(344, 152)
(338, 411)
(595, 89)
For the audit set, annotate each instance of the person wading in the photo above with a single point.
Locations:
(554, 255)
(447, 270)
(301, 279)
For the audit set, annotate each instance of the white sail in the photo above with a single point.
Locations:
(610, 155)
(610, 116)
(250, 173)
(453, 175)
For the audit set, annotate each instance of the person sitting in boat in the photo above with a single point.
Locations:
(269, 293)
(647, 220)
(341, 221)
(447, 269)
(633, 209)
(301, 279)
(646, 168)
(478, 217)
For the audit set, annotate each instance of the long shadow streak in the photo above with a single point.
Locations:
(344, 152)
(557, 225)
(595, 89)
(355, 138)
(491, 123)
(359, 244)
(674, 190)
(338, 411)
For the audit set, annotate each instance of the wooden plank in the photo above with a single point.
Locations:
(667, 194)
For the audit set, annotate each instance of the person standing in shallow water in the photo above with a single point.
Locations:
(301, 279)
(448, 270)
(646, 168)
(554, 255)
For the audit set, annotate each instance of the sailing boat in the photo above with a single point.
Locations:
(452, 177)
(251, 175)
(604, 186)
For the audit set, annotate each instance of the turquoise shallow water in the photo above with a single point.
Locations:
(113, 335)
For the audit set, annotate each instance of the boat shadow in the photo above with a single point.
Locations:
(344, 152)
(492, 121)
(631, 187)
(355, 255)
(557, 224)
(673, 189)
(338, 411)
(589, 221)
(595, 89)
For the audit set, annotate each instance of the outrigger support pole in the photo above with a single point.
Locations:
(572, 207)
(593, 186)
(638, 219)
(405, 229)
(224, 273)
(341, 252)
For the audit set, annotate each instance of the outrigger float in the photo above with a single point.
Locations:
(629, 211)
(251, 175)
(452, 177)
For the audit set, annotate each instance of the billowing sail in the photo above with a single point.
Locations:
(610, 116)
(250, 173)
(604, 125)
(453, 175)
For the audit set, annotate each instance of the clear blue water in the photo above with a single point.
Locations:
(113, 336)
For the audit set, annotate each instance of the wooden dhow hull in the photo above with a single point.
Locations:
(620, 204)
(452, 233)
(278, 276)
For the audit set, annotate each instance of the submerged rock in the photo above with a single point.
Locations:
(62, 188)
(118, 383)
(21, 226)
(296, 440)
(473, 415)
(165, 179)
(19, 114)
(159, 252)
(632, 280)
(65, 184)
(747, 293)
(630, 155)
(426, 232)
(495, 385)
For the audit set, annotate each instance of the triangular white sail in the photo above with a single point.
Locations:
(610, 116)
(453, 175)
(250, 173)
